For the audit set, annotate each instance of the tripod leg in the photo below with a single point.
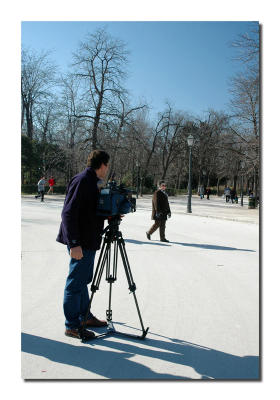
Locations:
(131, 284)
(97, 277)
(100, 266)
(111, 279)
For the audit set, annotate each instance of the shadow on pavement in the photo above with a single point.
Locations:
(209, 363)
(200, 246)
(146, 242)
(211, 246)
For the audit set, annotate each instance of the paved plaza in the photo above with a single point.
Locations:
(198, 294)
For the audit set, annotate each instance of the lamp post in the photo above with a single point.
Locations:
(190, 140)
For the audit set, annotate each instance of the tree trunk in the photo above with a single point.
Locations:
(199, 181)
(256, 189)
(22, 116)
(95, 127)
(247, 185)
(234, 181)
(208, 180)
(94, 137)
(178, 183)
(218, 187)
(29, 122)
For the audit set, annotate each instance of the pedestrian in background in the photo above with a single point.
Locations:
(160, 212)
(201, 192)
(41, 188)
(232, 195)
(208, 192)
(51, 185)
(227, 194)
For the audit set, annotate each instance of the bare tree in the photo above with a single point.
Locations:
(123, 115)
(100, 64)
(37, 79)
(72, 130)
(245, 102)
(247, 46)
(208, 147)
(170, 141)
(244, 88)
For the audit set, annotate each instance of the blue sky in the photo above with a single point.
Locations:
(186, 63)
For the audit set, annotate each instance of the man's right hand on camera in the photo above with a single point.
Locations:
(76, 252)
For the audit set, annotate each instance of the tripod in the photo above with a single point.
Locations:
(113, 236)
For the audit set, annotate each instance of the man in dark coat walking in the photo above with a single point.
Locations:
(160, 212)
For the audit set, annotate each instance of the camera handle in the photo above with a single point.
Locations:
(113, 236)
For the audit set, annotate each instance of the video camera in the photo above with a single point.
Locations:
(115, 200)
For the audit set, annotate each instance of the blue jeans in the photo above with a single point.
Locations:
(76, 297)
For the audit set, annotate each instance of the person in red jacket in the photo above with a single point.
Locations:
(51, 184)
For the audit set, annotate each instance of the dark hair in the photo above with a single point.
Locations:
(161, 183)
(96, 158)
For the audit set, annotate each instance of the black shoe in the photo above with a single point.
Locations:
(164, 240)
(148, 236)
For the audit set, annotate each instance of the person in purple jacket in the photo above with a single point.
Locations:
(81, 230)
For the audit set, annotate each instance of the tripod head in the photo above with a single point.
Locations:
(112, 229)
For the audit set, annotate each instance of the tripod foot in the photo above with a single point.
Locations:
(130, 335)
(144, 334)
(111, 331)
(86, 336)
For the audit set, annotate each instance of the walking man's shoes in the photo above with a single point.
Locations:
(94, 323)
(164, 240)
(79, 333)
(148, 236)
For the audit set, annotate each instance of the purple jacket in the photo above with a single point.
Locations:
(80, 226)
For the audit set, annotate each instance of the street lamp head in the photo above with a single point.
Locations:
(190, 140)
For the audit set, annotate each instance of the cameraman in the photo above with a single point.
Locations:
(160, 212)
(81, 230)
